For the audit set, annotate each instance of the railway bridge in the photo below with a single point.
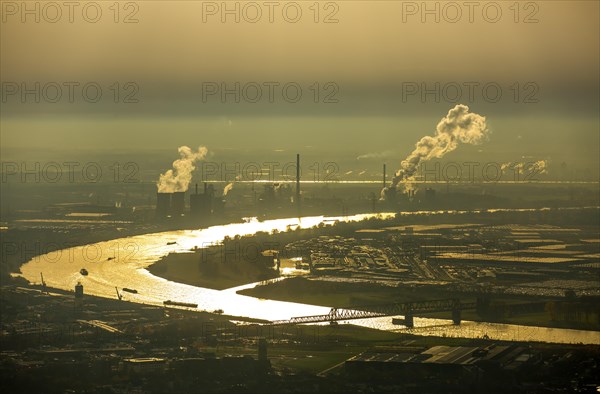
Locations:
(407, 309)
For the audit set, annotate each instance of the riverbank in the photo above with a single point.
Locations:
(247, 259)
(207, 268)
(20, 295)
(118, 332)
(106, 274)
(318, 292)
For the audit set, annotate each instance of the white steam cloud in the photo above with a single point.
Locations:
(179, 177)
(458, 126)
(532, 167)
(227, 188)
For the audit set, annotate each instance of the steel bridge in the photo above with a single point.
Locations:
(407, 309)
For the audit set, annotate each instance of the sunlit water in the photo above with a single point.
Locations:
(122, 263)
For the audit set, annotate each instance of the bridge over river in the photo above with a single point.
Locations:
(407, 309)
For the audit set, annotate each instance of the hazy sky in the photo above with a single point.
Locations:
(371, 55)
(369, 44)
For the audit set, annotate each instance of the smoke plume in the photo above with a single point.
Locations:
(227, 188)
(179, 177)
(459, 126)
(532, 167)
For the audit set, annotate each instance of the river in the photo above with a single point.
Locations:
(122, 263)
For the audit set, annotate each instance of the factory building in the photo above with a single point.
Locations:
(455, 366)
(202, 205)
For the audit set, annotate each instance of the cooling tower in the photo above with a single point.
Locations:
(163, 204)
(177, 204)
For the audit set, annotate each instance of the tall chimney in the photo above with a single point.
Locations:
(262, 350)
(196, 188)
(384, 175)
(298, 182)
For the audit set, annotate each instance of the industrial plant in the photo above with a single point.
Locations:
(299, 197)
(201, 206)
(208, 206)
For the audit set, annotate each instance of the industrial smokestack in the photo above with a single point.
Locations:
(262, 350)
(384, 175)
(298, 182)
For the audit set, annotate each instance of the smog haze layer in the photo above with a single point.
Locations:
(392, 71)
(299, 196)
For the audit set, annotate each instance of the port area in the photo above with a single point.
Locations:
(106, 345)
(526, 273)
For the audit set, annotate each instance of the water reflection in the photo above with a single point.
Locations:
(122, 263)
(471, 329)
